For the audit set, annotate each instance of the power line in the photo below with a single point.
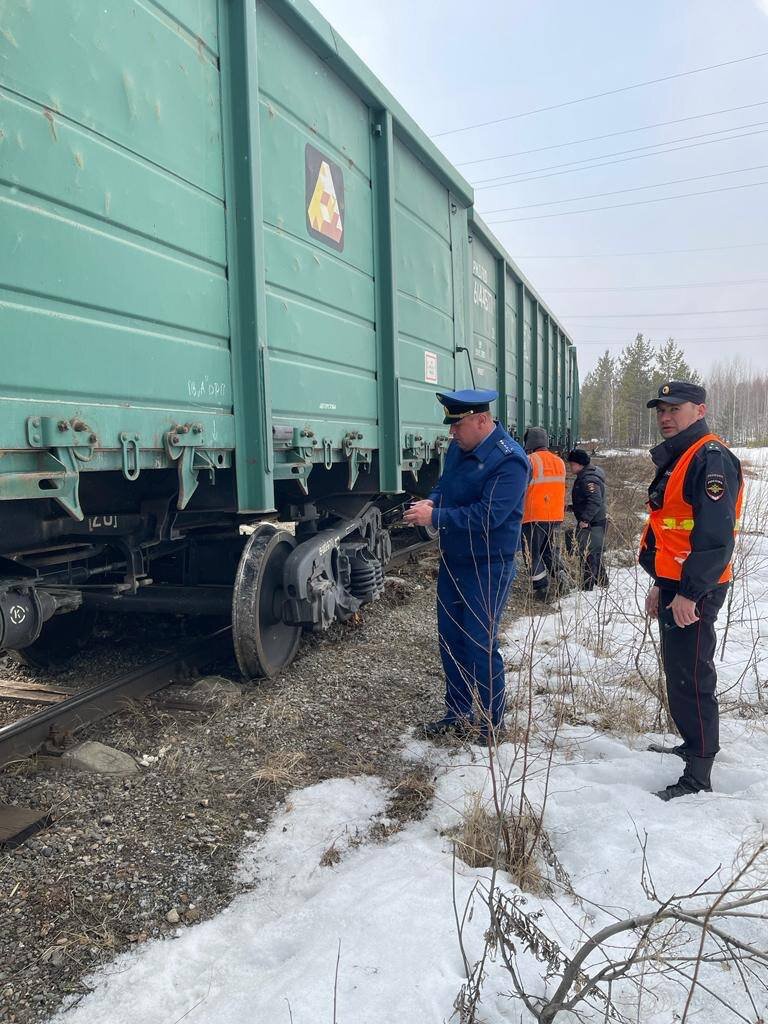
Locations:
(620, 206)
(517, 176)
(699, 327)
(600, 95)
(610, 135)
(609, 163)
(655, 287)
(701, 312)
(623, 191)
(681, 341)
(648, 252)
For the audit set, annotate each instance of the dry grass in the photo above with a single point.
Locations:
(279, 769)
(510, 842)
(412, 797)
(331, 857)
(627, 479)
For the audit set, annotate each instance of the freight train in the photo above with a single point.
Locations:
(233, 275)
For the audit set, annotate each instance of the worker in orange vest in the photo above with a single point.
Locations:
(543, 515)
(694, 505)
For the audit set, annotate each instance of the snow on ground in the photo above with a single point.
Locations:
(369, 935)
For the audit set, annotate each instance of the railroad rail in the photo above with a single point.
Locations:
(401, 556)
(54, 726)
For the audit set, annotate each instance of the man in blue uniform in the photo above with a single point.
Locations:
(477, 506)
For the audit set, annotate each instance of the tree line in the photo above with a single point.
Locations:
(615, 392)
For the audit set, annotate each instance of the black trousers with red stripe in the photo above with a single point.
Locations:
(688, 657)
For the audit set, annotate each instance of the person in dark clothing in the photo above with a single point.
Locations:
(694, 504)
(589, 509)
(477, 506)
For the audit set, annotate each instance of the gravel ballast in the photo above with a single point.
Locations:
(133, 858)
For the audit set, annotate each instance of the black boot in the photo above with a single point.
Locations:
(428, 730)
(695, 779)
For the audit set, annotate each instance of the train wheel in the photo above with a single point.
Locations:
(427, 532)
(264, 643)
(61, 639)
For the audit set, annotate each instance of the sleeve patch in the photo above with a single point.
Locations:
(591, 488)
(714, 486)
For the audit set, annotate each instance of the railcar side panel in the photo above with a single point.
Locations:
(513, 368)
(318, 239)
(112, 278)
(429, 275)
(484, 348)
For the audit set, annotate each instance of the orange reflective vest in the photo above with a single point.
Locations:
(545, 497)
(673, 523)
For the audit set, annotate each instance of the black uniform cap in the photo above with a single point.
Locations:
(675, 392)
(579, 456)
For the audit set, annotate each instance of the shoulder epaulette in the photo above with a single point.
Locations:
(505, 445)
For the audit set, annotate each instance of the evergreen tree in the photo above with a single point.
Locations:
(636, 374)
(671, 364)
(598, 400)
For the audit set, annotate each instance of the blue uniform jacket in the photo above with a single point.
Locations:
(479, 499)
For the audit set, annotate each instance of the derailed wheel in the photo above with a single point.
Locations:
(264, 643)
(60, 640)
(427, 532)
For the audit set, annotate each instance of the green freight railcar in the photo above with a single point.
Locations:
(233, 274)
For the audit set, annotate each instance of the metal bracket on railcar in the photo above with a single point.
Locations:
(357, 456)
(417, 452)
(303, 442)
(182, 442)
(64, 444)
(442, 443)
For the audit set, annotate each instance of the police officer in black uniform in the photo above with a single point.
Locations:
(694, 503)
(589, 508)
(477, 506)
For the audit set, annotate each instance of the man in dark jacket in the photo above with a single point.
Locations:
(588, 507)
(477, 506)
(694, 503)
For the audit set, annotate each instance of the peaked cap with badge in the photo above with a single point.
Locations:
(458, 404)
(676, 392)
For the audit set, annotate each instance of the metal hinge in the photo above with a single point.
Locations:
(357, 456)
(66, 444)
(182, 442)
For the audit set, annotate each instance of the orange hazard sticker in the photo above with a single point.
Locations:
(325, 198)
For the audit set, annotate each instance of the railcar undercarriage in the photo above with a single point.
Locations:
(273, 583)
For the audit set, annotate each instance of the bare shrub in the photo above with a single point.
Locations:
(331, 857)
(509, 842)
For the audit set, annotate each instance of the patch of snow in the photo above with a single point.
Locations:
(373, 937)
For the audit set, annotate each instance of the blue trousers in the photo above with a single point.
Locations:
(470, 602)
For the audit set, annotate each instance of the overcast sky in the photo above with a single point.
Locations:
(453, 64)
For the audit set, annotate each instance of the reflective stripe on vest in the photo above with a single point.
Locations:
(673, 522)
(545, 497)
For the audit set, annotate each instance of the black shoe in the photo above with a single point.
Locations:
(429, 730)
(681, 750)
(695, 779)
(683, 787)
